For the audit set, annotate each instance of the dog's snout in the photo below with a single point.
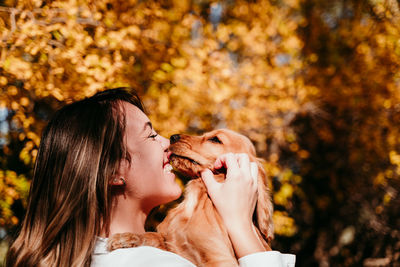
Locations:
(174, 138)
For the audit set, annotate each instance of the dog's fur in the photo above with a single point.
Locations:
(194, 229)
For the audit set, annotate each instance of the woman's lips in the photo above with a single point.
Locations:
(169, 153)
(166, 160)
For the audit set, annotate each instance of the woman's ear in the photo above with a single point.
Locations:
(118, 181)
(118, 178)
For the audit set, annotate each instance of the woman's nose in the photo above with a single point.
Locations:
(174, 138)
(164, 142)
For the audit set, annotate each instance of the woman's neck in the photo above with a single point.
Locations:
(126, 216)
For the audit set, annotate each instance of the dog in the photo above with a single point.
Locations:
(194, 229)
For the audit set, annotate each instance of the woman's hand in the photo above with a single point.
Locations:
(235, 200)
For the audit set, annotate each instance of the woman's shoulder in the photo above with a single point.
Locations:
(138, 256)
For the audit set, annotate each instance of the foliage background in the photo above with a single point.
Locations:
(315, 84)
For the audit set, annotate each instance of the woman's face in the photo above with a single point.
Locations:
(148, 178)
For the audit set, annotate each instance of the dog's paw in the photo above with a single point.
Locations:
(123, 240)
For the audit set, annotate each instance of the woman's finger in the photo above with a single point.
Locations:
(254, 172)
(244, 164)
(208, 179)
(230, 162)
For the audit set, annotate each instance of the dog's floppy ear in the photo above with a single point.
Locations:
(264, 209)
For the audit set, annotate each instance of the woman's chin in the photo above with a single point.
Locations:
(177, 193)
(174, 193)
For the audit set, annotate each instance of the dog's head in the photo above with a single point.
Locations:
(192, 154)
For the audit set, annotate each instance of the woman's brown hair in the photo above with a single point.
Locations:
(69, 201)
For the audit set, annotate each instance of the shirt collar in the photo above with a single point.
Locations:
(100, 246)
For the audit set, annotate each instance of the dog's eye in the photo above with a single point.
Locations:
(215, 139)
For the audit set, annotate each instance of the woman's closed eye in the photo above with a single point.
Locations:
(153, 135)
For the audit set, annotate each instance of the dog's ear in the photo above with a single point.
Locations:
(264, 209)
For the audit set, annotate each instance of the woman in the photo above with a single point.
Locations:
(100, 169)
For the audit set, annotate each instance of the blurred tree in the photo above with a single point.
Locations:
(351, 180)
(297, 77)
(241, 60)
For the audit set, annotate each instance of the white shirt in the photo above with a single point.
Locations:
(145, 256)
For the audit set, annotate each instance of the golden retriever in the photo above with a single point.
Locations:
(194, 228)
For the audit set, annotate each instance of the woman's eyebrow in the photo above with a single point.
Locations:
(148, 124)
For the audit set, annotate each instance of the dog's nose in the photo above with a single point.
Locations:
(174, 138)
